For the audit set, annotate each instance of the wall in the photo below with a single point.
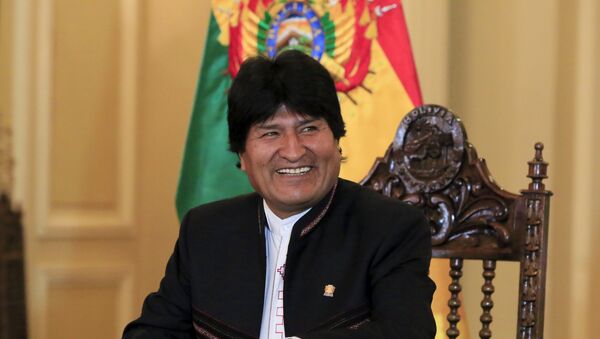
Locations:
(100, 94)
(519, 72)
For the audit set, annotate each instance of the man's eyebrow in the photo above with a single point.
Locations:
(308, 120)
(264, 125)
(303, 121)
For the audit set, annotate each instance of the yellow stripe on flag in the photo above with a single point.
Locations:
(372, 119)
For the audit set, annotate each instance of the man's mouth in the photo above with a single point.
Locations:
(294, 171)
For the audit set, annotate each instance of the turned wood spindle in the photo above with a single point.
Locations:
(454, 303)
(489, 267)
(538, 169)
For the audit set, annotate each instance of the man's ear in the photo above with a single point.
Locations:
(242, 164)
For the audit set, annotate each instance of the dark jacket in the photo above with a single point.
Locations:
(373, 249)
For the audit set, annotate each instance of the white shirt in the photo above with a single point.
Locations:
(277, 238)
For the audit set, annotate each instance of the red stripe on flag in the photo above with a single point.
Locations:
(235, 48)
(357, 66)
(392, 35)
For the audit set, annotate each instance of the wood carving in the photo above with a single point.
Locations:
(431, 164)
(533, 265)
(466, 209)
(12, 284)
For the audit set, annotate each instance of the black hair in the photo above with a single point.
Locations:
(293, 79)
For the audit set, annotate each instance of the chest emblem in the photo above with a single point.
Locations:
(329, 289)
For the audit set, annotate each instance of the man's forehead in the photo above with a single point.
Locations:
(300, 118)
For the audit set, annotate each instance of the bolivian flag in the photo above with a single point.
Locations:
(364, 45)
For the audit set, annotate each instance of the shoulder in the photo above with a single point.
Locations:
(233, 211)
(379, 217)
(225, 205)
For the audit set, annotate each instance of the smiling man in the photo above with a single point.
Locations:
(292, 160)
(308, 255)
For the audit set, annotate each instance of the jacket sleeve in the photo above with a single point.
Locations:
(401, 291)
(167, 312)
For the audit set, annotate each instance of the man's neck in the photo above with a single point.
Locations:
(273, 218)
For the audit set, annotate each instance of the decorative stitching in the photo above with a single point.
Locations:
(356, 317)
(314, 223)
(359, 324)
(218, 325)
(204, 332)
(259, 222)
(346, 317)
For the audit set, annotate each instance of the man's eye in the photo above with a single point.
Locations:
(269, 134)
(311, 128)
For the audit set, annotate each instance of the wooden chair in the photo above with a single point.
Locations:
(432, 165)
(12, 283)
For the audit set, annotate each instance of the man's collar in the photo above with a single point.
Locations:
(314, 216)
(278, 225)
(309, 220)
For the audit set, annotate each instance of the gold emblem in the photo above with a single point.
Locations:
(329, 289)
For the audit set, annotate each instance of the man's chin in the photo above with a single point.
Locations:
(298, 206)
(292, 206)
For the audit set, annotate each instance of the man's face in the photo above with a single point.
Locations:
(291, 160)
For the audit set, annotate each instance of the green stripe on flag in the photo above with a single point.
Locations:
(208, 171)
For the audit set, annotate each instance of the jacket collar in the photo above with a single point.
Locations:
(309, 221)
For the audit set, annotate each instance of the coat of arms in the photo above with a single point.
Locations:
(338, 33)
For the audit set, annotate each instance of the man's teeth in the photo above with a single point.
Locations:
(294, 171)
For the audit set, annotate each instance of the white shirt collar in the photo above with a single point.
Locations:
(281, 226)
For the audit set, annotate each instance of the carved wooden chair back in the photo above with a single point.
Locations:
(12, 284)
(432, 165)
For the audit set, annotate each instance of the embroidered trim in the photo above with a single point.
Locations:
(260, 222)
(348, 319)
(358, 324)
(314, 223)
(202, 331)
(217, 326)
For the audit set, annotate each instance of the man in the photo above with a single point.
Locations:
(308, 255)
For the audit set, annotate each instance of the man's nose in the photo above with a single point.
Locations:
(292, 148)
